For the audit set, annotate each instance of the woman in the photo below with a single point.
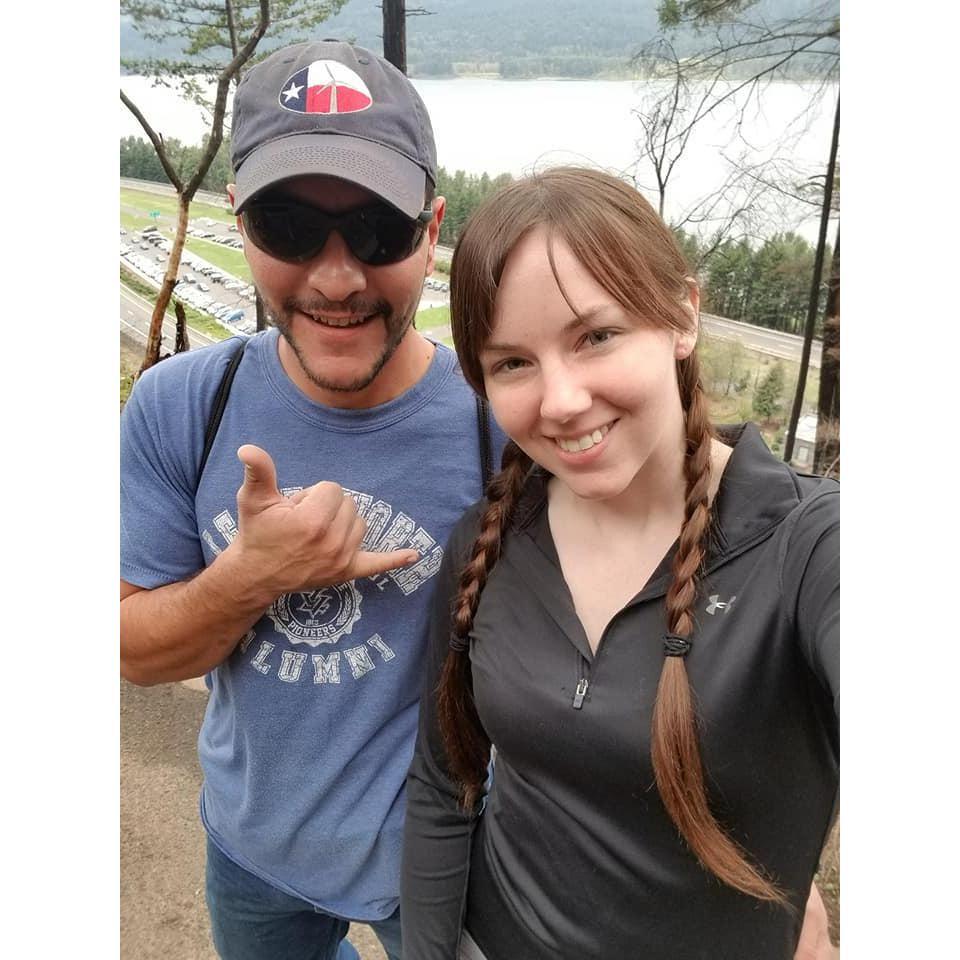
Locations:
(642, 617)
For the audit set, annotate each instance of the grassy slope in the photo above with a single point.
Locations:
(167, 205)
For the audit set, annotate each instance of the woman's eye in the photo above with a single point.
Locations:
(596, 337)
(511, 363)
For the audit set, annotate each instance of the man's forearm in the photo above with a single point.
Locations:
(185, 629)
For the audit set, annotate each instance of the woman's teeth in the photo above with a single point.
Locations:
(585, 442)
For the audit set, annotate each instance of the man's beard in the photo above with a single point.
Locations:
(396, 327)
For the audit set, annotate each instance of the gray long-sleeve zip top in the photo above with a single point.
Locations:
(574, 855)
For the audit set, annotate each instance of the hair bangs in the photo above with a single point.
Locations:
(608, 226)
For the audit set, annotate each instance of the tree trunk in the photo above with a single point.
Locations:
(814, 288)
(183, 340)
(395, 33)
(826, 458)
(152, 354)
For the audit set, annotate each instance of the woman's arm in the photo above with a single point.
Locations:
(810, 581)
(437, 834)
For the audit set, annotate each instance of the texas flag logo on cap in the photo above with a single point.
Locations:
(326, 86)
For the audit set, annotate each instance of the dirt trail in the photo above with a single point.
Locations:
(163, 915)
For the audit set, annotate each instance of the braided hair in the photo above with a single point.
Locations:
(464, 739)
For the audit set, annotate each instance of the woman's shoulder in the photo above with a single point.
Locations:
(819, 503)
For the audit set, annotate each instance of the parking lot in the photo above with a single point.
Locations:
(206, 287)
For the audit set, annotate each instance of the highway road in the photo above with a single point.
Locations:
(135, 313)
(787, 346)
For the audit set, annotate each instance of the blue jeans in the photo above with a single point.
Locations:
(252, 920)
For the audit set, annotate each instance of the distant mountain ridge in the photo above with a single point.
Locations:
(571, 38)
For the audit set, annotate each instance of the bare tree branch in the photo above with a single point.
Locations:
(155, 139)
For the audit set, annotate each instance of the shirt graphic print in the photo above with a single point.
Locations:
(318, 635)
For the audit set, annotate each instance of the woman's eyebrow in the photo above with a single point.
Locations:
(601, 312)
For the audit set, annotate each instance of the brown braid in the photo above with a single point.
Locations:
(675, 747)
(467, 745)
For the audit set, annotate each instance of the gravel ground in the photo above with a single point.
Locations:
(163, 915)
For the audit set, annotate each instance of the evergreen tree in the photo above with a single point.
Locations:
(464, 192)
(766, 400)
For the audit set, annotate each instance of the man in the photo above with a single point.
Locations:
(304, 596)
(305, 606)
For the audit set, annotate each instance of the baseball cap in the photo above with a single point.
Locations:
(328, 107)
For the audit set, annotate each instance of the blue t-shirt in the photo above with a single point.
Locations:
(311, 722)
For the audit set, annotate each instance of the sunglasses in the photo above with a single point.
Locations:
(292, 231)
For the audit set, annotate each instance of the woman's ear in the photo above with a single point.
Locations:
(687, 340)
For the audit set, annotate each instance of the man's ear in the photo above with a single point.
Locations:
(232, 194)
(433, 231)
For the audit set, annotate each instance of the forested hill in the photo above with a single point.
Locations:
(509, 38)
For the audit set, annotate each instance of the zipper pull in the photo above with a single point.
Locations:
(581, 692)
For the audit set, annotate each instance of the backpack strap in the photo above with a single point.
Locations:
(219, 405)
(486, 447)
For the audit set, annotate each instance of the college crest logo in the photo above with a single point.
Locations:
(326, 86)
(318, 616)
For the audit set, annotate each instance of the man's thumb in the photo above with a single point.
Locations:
(259, 473)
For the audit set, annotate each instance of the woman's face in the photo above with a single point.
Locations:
(591, 396)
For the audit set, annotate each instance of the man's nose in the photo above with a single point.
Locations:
(564, 395)
(335, 272)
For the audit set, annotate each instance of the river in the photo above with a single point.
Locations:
(496, 126)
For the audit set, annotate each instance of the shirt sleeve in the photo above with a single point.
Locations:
(437, 834)
(811, 585)
(159, 542)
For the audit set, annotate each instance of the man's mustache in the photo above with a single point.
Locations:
(357, 307)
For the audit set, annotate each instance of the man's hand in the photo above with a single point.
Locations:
(299, 543)
(814, 943)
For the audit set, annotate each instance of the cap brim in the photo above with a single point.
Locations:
(376, 168)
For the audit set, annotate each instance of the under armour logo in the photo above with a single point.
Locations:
(717, 604)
